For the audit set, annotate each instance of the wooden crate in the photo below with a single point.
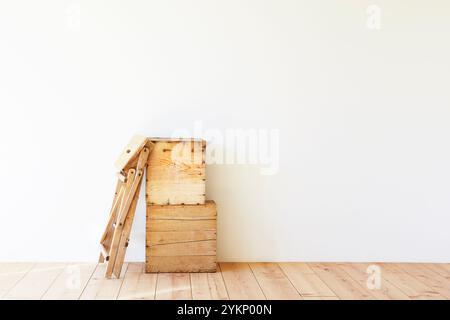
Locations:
(176, 172)
(181, 238)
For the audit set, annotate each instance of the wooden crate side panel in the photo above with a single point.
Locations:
(181, 238)
(155, 238)
(188, 212)
(176, 173)
(181, 264)
(191, 248)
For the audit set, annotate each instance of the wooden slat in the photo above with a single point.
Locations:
(100, 288)
(71, 282)
(181, 264)
(189, 193)
(36, 282)
(412, 287)
(173, 286)
(340, 282)
(427, 276)
(273, 282)
(240, 282)
(181, 225)
(11, 274)
(170, 237)
(387, 291)
(191, 248)
(307, 283)
(138, 285)
(186, 212)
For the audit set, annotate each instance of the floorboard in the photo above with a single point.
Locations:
(340, 282)
(411, 286)
(208, 286)
(273, 282)
(306, 281)
(173, 286)
(240, 282)
(138, 285)
(71, 282)
(99, 288)
(428, 277)
(11, 274)
(246, 281)
(36, 282)
(441, 268)
(364, 274)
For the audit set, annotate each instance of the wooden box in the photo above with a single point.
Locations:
(176, 172)
(181, 238)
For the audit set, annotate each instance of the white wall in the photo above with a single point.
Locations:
(363, 117)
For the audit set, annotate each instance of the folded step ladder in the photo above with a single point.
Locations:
(131, 166)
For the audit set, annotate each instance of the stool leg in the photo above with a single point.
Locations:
(117, 230)
(123, 244)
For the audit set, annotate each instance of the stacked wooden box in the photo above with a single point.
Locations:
(181, 224)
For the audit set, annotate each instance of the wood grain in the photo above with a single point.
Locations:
(386, 291)
(181, 264)
(340, 282)
(208, 286)
(36, 282)
(427, 276)
(183, 212)
(70, 283)
(240, 282)
(232, 281)
(130, 152)
(273, 282)
(100, 288)
(307, 283)
(138, 285)
(189, 248)
(181, 238)
(442, 269)
(173, 286)
(181, 225)
(176, 173)
(11, 274)
(411, 286)
(170, 237)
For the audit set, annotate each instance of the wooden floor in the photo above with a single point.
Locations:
(310, 281)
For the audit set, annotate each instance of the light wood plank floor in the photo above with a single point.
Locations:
(308, 281)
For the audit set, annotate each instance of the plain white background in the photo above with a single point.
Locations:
(363, 117)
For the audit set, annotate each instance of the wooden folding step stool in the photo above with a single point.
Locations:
(131, 166)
